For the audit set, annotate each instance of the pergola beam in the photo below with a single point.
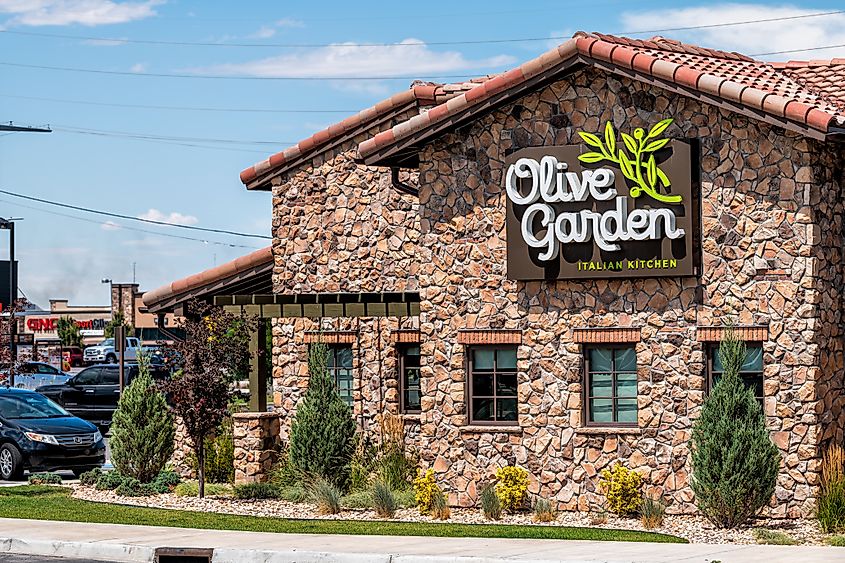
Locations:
(319, 305)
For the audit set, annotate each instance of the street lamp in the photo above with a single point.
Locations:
(9, 224)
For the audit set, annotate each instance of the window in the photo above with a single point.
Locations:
(751, 371)
(409, 378)
(492, 385)
(90, 376)
(611, 386)
(110, 376)
(340, 368)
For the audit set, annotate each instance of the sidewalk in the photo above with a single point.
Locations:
(116, 542)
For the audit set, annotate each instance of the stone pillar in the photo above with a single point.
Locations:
(257, 445)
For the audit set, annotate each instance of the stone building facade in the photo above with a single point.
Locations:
(768, 185)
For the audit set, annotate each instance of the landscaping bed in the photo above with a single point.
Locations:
(691, 528)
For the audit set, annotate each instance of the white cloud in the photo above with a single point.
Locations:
(82, 12)
(138, 67)
(345, 59)
(173, 217)
(110, 226)
(290, 22)
(264, 32)
(750, 39)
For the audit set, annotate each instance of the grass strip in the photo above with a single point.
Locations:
(54, 503)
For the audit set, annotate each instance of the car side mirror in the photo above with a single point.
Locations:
(72, 382)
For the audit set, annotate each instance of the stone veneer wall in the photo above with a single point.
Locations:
(341, 227)
(771, 240)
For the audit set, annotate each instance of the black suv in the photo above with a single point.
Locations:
(92, 394)
(38, 434)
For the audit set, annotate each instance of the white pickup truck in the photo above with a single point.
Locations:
(106, 352)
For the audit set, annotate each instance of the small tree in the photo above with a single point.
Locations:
(7, 320)
(734, 462)
(322, 431)
(68, 331)
(200, 390)
(118, 319)
(142, 429)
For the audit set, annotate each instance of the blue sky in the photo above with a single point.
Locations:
(187, 178)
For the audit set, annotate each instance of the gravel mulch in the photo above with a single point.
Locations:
(693, 528)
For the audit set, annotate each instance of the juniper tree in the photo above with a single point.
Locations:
(68, 332)
(322, 431)
(734, 462)
(142, 431)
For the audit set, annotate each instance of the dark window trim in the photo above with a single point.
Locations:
(585, 386)
(468, 371)
(401, 349)
(711, 347)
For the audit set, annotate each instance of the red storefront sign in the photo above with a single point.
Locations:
(51, 324)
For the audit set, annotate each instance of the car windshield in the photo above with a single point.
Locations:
(29, 405)
(107, 342)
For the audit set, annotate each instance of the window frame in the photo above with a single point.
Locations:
(401, 351)
(711, 349)
(469, 385)
(585, 384)
(333, 349)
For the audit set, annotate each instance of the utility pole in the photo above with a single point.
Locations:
(13, 278)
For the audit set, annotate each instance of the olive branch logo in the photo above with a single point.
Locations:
(642, 146)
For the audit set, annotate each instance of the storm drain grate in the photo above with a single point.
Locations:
(183, 555)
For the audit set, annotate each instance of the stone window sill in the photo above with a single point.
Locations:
(597, 430)
(413, 417)
(492, 429)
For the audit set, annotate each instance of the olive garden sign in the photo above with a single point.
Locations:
(602, 209)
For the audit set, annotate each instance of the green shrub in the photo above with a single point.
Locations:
(357, 499)
(109, 481)
(491, 506)
(384, 501)
(47, 478)
(652, 512)
(512, 487)
(622, 488)
(544, 511)
(142, 430)
(294, 493)
(219, 455)
(734, 462)
(772, 537)
(191, 489)
(362, 465)
(322, 435)
(132, 487)
(830, 509)
(251, 491)
(836, 541)
(89, 478)
(165, 481)
(439, 507)
(405, 499)
(326, 496)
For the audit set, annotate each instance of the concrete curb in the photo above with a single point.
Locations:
(82, 550)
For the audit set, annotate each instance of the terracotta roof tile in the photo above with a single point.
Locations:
(218, 273)
(423, 93)
(811, 94)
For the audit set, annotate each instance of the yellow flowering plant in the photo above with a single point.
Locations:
(623, 489)
(512, 487)
(426, 491)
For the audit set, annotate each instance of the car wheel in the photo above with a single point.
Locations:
(111, 359)
(11, 463)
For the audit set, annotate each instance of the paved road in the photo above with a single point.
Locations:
(18, 558)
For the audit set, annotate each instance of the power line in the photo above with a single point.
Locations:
(178, 108)
(151, 136)
(128, 228)
(798, 50)
(175, 143)
(170, 43)
(131, 218)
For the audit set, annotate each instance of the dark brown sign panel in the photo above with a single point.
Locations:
(597, 216)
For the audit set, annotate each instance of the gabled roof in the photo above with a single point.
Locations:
(251, 271)
(420, 94)
(826, 78)
(757, 88)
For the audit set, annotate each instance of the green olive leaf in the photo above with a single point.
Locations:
(651, 171)
(625, 165)
(656, 145)
(610, 138)
(659, 128)
(591, 157)
(591, 140)
(663, 178)
(630, 142)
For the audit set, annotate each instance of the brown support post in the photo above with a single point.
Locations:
(258, 368)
